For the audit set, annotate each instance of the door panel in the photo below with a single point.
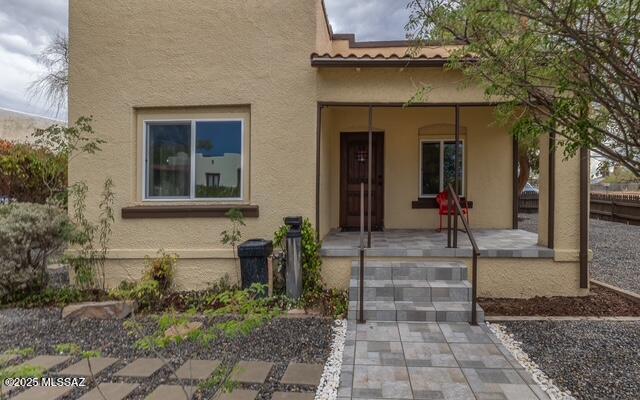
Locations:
(354, 170)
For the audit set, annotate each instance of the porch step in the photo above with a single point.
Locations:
(415, 311)
(413, 291)
(411, 271)
(407, 290)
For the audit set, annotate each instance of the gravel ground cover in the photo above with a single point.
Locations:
(281, 341)
(601, 302)
(593, 359)
(616, 254)
(616, 251)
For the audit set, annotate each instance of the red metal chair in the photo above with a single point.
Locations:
(443, 207)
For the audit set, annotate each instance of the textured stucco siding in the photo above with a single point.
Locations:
(197, 59)
(185, 55)
(497, 277)
(487, 185)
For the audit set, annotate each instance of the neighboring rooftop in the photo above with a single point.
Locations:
(18, 126)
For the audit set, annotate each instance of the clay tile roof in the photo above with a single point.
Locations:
(347, 52)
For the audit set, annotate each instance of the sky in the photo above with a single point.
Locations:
(27, 26)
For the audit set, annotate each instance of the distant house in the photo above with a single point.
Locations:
(209, 106)
(17, 126)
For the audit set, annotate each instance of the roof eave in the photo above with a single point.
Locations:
(322, 62)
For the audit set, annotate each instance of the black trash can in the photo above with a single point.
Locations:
(254, 266)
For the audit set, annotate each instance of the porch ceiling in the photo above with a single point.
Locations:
(501, 243)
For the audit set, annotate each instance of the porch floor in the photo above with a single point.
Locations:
(501, 243)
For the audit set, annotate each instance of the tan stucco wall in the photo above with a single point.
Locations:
(187, 57)
(184, 53)
(567, 202)
(394, 85)
(497, 277)
(487, 161)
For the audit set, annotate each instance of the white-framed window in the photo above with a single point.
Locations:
(198, 159)
(437, 166)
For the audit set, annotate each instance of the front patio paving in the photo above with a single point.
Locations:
(508, 243)
(424, 360)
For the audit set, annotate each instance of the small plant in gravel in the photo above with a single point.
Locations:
(243, 311)
(219, 379)
(23, 352)
(233, 235)
(155, 284)
(67, 348)
(161, 269)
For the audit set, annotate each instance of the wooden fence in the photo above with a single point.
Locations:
(618, 207)
(528, 203)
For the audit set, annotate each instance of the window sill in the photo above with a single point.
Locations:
(187, 211)
(430, 203)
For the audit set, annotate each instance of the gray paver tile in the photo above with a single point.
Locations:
(197, 369)
(46, 362)
(292, 396)
(462, 332)
(498, 383)
(528, 379)
(44, 393)
(375, 381)
(379, 353)
(237, 394)
(420, 332)
(112, 391)
(439, 383)
(172, 392)
(302, 374)
(251, 371)
(346, 381)
(81, 368)
(383, 331)
(141, 367)
(479, 355)
(428, 355)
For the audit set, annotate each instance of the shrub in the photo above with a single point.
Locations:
(30, 173)
(161, 269)
(155, 284)
(29, 234)
(312, 283)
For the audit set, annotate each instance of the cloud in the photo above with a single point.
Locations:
(26, 27)
(370, 19)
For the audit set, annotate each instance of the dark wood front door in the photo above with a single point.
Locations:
(354, 148)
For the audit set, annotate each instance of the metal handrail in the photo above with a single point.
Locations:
(361, 292)
(453, 236)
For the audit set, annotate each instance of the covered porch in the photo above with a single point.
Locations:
(499, 243)
(410, 155)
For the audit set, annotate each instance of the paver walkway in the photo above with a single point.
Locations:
(250, 374)
(429, 360)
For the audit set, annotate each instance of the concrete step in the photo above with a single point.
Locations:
(409, 290)
(415, 311)
(411, 270)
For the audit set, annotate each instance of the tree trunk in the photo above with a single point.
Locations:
(525, 169)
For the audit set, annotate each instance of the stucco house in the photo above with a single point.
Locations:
(259, 106)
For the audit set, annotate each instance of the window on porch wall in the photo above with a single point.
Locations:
(438, 166)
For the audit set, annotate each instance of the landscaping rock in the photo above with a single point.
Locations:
(182, 330)
(115, 309)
